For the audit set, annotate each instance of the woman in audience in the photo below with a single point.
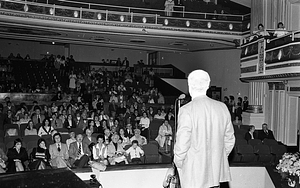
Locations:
(39, 156)
(3, 159)
(100, 151)
(145, 123)
(164, 134)
(281, 31)
(125, 139)
(24, 119)
(137, 136)
(115, 152)
(71, 139)
(46, 128)
(20, 113)
(16, 155)
(250, 134)
(30, 130)
(56, 123)
(59, 153)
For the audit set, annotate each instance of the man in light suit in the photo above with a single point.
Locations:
(79, 152)
(205, 137)
(37, 118)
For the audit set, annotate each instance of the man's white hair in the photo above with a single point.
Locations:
(198, 81)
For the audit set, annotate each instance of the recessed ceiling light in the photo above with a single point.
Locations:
(137, 40)
(178, 44)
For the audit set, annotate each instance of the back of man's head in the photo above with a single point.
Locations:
(198, 82)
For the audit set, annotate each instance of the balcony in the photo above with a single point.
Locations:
(271, 59)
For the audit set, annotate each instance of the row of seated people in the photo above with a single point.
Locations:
(79, 150)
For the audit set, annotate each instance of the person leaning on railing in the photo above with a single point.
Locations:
(281, 30)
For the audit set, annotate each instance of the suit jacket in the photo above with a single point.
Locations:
(12, 108)
(88, 141)
(82, 123)
(205, 138)
(53, 150)
(67, 124)
(73, 151)
(248, 136)
(13, 154)
(129, 133)
(35, 119)
(262, 135)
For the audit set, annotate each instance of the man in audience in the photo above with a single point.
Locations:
(79, 152)
(245, 103)
(37, 118)
(88, 139)
(250, 134)
(159, 115)
(265, 133)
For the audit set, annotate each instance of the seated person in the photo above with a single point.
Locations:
(159, 115)
(59, 153)
(260, 33)
(88, 139)
(237, 122)
(100, 151)
(46, 128)
(250, 134)
(3, 159)
(135, 152)
(164, 133)
(124, 139)
(40, 156)
(115, 151)
(30, 130)
(137, 136)
(265, 133)
(79, 152)
(16, 155)
(71, 139)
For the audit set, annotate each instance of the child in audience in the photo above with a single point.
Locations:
(135, 152)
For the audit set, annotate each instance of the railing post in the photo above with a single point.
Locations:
(129, 10)
(183, 11)
(80, 12)
(89, 5)
(155, 18)
(47, 2)
(106, 15)
(242, 17)
(205, 15)
(131, 19)
(54, 10)
(293, 36)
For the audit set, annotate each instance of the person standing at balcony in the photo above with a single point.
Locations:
(169, 7)
(205, 137)
(280, 31)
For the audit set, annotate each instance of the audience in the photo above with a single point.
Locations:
(164, 134)
(59, 153)
(40, 156)
(3, 159)
(16, 155)
(265, 133)
(46, 128)
(135, 152)
(30, 129)
(250, 134)
(79, 152)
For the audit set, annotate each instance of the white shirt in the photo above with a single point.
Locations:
(145, 122)
(135, 153)
(97, 151)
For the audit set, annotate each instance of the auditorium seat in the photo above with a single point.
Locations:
(127, 147)
(76, 131)
(2, 146)
(234, 156)
(22, 129)
(246, 153)
(270, 142)
(10, 139)
(239, 136)
(64, 137)
(29, 138)
(254, 142)
(151, 153)
(11, 126)
(240, 142)
(30, 145)
(9, 145)
(263, 152)
(277, 151)
(62, 130)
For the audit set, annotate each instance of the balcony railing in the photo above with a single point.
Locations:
(109, 13)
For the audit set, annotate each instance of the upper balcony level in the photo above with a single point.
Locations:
(89, 23)
(271, 59)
